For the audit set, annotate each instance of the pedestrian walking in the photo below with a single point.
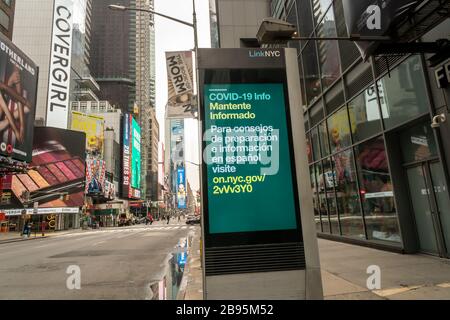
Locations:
(168, 218)
(150, 217)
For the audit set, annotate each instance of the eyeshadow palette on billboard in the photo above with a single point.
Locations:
(18, 87)
(131, 154)
(58, 156)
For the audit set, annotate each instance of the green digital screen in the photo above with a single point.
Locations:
(135, 155)
(248, 161)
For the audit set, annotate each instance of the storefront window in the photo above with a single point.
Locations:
(329, 178)
(309, 148)
(418, 143)
(339, 130)
(347, 195)
(376, 191)
(324, 144)
(311, 69)
(403, 93)
(315, 199)
(328, 52)
(315, 143)
(365, 115)
(322, 198)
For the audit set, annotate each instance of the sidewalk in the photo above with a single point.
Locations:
(403, 277)
(344, 274)
(193, 271)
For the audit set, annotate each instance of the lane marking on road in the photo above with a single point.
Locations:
(97, 243)
(125, 236)
(45, 245)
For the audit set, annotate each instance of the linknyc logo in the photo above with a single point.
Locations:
(264, 54)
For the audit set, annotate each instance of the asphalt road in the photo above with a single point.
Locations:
(115, 263)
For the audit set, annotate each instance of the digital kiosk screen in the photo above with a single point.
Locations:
(248, 160)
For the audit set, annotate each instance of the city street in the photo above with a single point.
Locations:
(115, 263)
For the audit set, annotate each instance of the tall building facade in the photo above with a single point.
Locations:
(145, 99)
(7, 8)
(113, 53)
(33, 25)
(234, 23)
(123, 65)
(379, 170)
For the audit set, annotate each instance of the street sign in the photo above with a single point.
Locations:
(255, 171)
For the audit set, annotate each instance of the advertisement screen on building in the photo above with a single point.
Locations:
(95, 176)
(131, 181)
(58, 177)
(181, 188)
(18, 87)
(60, 64)
(94, 127)
(249, 172)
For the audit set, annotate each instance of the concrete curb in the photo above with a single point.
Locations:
(184, 282)
(192, 282)
(20, 239)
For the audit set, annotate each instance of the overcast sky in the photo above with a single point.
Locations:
(172, 36)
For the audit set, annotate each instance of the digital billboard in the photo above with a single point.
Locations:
(131, 158)
(135, 155)
(181, 188)
(18, 87)
(95, 176)
(176, 150)
(94, 127)
(249, 173)
(58, 177)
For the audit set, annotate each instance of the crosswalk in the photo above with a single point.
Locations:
(123, 232)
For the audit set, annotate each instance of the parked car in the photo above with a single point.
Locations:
(193, 219)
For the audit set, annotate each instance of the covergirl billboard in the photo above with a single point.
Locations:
(60, 65)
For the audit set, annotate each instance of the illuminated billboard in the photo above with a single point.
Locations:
(131, 178)
(58, 175)
(95, 176)
(18, 88)
(181, 188)
(94, 127)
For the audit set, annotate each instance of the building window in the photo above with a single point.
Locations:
(329, 182)
(315, 199)
(311, 70)
(376, 191)
(339, 130)
(403, 94)
(324, 144)
(418, 143)
(315, 144)
(323, 207)
(348, 204)
(328, 50)
(365, 115)
(4, 19)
